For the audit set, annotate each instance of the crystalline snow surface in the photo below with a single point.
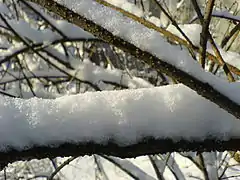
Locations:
(124, 116)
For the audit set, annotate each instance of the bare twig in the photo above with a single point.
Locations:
(205, 21)
(46, 20)
(100, 167)
(156, 169)
(205, 35)
(204, 170)
(174, 23)
(236, 29)
(59, 168)
(123, 168)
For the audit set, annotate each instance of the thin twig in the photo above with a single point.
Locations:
(204, 170)
(175, 24)
(47, 21)
(59, 168)
(156, 169)
(123, 168)
(205, 21)
(236, 29)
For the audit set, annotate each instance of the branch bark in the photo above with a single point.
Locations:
(205, 21)
(148, 146)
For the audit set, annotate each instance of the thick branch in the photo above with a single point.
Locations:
(203, 89)
(145, 147)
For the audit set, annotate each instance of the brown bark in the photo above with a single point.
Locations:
(148, 146)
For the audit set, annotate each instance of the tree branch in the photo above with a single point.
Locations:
(148, 146)
(203, 89)
(206, 35)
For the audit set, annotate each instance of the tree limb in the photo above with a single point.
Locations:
(203, 89)
(147, 146)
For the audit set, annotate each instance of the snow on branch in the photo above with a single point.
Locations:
(47, 36)
(148, 45)
(183, 32)
(221, 14)
(125, 123)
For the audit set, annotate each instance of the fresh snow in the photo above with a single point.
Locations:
(84, 70)
(191, 30)
(226, 15)
(24, 123)
(128, 6)
(151, 41)
(124, 116)
(87, 72)
(47, 36)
